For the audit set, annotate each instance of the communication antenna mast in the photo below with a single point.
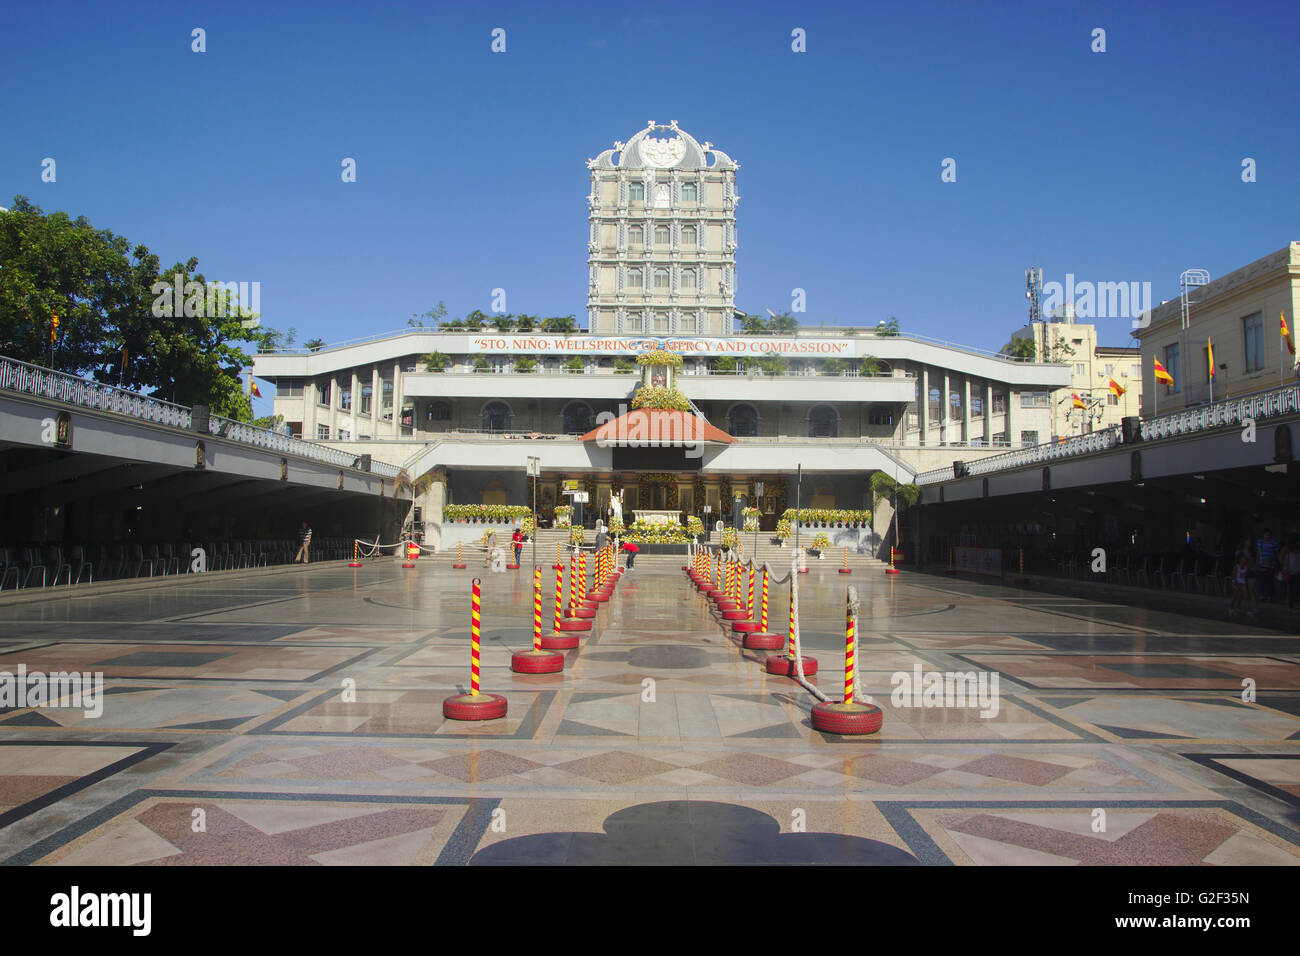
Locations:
(1034, 293)
(1189, 280)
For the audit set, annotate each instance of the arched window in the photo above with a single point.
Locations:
(635, 279)
(688, 235)
(661, 278)
(688, 279)
(662, 235)
(636, 236)
(577, 418)
(742, 421)
(496, 417)
(689, 192)
(823, 422)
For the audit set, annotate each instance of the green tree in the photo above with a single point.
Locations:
(563, 324)
(868, 365)
(504, 322)
(525, 323)
(272, 422)
(430, 318)
(476, 320)
(888, 328)
(1021, 348)
(753, 324)
(314, 345)
(574, 364)
(724, 364)
(834, 366)
(623, 366)
(481, 364)
(783, 324)
(884, 486)
(435, 362)
(525, 364)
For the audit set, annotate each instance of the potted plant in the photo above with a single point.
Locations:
(820, 544)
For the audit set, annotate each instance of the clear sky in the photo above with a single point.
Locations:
(471, 165)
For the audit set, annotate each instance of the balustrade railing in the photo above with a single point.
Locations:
(70, 389)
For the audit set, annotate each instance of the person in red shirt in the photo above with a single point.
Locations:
(517, 542)
(631, 551)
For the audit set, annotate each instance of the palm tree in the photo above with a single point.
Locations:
(560, 323)
(887, 328)
(503, 323)
(435, 361)
(1021, 348)
(314, 345)
(785, 322)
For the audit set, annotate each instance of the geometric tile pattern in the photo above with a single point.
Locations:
(303, 725)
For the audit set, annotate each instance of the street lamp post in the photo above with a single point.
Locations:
(534, 470)
(758, 496)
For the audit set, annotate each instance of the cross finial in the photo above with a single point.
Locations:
(651, 125)
(673, 124)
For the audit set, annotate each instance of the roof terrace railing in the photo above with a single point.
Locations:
(1185, 421)
(16, 376)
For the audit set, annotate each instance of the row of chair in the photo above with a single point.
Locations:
(51, 565)
(1189, 573)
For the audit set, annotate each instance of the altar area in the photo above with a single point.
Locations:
(652, 516)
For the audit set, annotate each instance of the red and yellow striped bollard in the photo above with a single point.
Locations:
(848, 717)
(558, 639)
(846, 569)
(460, 563)
(356, 557)
(537, 661)
(474, 705)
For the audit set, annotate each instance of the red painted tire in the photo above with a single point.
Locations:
(846, 570)
(763, 641)
(584, 613)
(536, 662)
(555, 641)
(512, 567)
(591, 601)
(459, 567)
(482, 707)
(575, 624)
(783, 666)
(803, 570)
(891, 570)
(715, 593)
(738, 614)
(846, 719)
(745, 627)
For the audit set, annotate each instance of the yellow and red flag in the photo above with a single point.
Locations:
(252, 387)
(1209, 355)
(1286, 334)
(1162, 373)
(1118, 389)
(1078, 402)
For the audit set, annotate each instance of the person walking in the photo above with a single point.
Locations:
(304, 543)
(517, 542)
(602, 536)
(1241, 590)
(1265, 558)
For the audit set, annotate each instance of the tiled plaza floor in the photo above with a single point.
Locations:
(229, 735)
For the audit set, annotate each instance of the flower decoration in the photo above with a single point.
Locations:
(659, 357)
(658, 396)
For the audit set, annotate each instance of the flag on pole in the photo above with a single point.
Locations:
(252, 387)
(1078, 402)
(1209, 355)
(1162, 373)
(1118, 389)
(54, 329)
(1286, 334)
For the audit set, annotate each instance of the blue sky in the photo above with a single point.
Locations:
(471, 166)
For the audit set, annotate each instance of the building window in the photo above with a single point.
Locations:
(690, 192)
(954, 406)
(1253, 329)
(1080, 368)
(1110, 368)
(635, 279)
(293, 429)
(661, 322)
(934, 404)
(496, 417)
(976, 407)
(345, 398)
(999, 403)
(577, 418)
(636, 236)
(688, 323)
(688, 235)
(823, 422)
(323, 393)
(438, 412)
(1028, 439)
(1174, 368)
(1112, 398)
(386, 387)
(636, 192)
(367, 395)
(688, 279)
(1034, 400)
(288, 388)
(345, 434)
(662, 235)
(322, 432)
(742, 421)
(661, 278)
(881, 415)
